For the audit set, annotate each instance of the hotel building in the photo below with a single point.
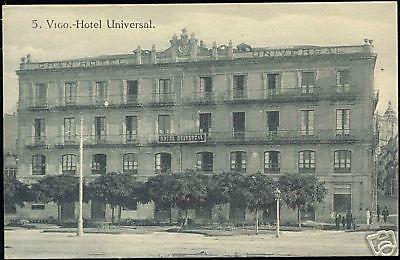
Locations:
(299, 109)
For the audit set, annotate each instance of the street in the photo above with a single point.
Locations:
(22, 243)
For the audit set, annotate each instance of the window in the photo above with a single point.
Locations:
(99, 164)
(100, 128)
(101, 92)
(39, 131)
(272, 122)
(272, 161)
(70, 93)
(238, 161)
(205, 122)
(342, 80)
(38, 206)
(306, 161)
(163, 162)
(205, 87)
(68, 162)
(131, 123)
(164, 124)
(273, 83)
(131, 91)
(41, 94)
(10, 171)
(69, 130)
(307, 82)
(130, 163)
(342, 121)
(164, 90)
(239, 120)
(204, 161)
(342, 161)
(307, 122)
(239, 88)
(38, 165)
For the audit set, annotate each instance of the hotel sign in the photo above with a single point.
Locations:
(302, 52)
(193, 138)
(116, 61)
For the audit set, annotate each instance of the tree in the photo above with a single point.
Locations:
(259, 194)
(58, 189)
(116, 189)
(301, 192)
(161, 190)
(15, 192)
(190, 191)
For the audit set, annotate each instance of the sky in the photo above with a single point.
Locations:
(260, 25)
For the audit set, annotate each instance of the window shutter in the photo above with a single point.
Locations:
(61, 92)
(124, 88)
(230, 85)
(61, 135)
(298, 78)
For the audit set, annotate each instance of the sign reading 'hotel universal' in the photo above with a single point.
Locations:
(194, 138)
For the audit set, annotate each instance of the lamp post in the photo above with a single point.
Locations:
(277, 196)
(80, 218)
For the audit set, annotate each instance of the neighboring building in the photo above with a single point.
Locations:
(10, 134)
(387, 125)
(299, 109)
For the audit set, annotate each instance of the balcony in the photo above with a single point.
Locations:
(203, 98)
(340, 92)
(37, 104)
(36, 142)
(162, 99)
(258, 137)
(96, 141)
(306, 93)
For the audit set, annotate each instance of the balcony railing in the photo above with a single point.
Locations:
(256, 137)
(36, 141)
(161, 99)
(205, 97)
(302, 93)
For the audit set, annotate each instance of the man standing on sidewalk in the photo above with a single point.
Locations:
(378, 213)
(368, 215)
(385, 214)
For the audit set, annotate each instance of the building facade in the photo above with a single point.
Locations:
(299, 109)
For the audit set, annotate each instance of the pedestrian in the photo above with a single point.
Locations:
(349, 217)
(378, 213)
(338, 218)
(354, 223)
(343, 222)
(385, 214)
(368, 216)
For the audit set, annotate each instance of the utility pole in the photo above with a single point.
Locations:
(277, 195)
(80, 219)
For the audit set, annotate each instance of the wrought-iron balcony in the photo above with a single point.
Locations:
(276, 136)
(96, 140)
(278, 94)
(340, 92)
(205, 97)
(162, 99)
(36, 141)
